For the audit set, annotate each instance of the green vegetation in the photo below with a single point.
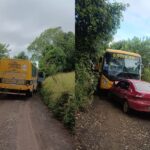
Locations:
(54, 49)
(3, 50)
(141, 46)
(146, 74)
(96, 23)
(21, 55)
(58, 93)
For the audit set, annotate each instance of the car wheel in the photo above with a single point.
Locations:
(126, 107)
(109, 96)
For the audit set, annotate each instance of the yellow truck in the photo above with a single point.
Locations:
(18, 76)
(116, 65)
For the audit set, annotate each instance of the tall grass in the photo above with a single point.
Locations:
(58, 93)
(60, 83)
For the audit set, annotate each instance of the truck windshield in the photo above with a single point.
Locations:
(122, 65)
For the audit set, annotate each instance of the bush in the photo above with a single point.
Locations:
(58, 95)
(146, 74)
(85, 83)
(64, 109)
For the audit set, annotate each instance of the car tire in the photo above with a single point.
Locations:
(126, 108)
(109, 96)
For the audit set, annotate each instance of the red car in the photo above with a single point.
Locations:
(134, 94)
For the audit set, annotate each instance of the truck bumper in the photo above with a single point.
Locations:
(15, 89)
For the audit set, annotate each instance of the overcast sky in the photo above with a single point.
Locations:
(22, 20)
(136, 20)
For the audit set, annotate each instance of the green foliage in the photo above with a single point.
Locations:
(59, 83)
(3, 50)
(141, 46)
(58, 94)
(21, 55)
(96, 23)
(85, 82)
(146, 74)
(54, 49)
(52, 60)
(64, 109)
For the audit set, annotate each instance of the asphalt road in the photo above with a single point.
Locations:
(27, 124)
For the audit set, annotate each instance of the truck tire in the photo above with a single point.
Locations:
(29, 93)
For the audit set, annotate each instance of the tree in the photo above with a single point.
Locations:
(21, 55)
(3, 50)
(52, 61)
(138, 45)
(96, 23)
(54, 44)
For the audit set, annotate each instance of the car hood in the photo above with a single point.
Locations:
(145, 95)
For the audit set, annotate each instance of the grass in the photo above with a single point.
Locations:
(58, 94)
(146, 74)
(60, 83)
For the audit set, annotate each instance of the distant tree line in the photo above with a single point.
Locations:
(21, 55)
(3, 50)
(138, 45)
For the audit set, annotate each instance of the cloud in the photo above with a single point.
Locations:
(23, 20)
(136, 20)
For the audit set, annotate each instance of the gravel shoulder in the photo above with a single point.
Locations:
(104, 126)
(27, 124)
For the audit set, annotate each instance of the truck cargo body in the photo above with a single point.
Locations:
(17, 76)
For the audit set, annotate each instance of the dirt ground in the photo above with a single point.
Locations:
(27, 124)
(106, 127)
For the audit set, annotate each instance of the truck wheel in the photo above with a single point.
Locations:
(97, 90)
(35, 91)
(126, 108)
(29, 93)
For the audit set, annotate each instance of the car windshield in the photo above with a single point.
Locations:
(121, 64)
(142, 86)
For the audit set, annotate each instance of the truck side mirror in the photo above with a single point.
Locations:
(115, 83)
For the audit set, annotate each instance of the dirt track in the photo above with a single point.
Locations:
(27, 124)
(106, 127)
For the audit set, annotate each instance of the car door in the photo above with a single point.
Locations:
(117, 90)
(122, 89)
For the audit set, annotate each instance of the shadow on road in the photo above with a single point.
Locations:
(13, 97)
